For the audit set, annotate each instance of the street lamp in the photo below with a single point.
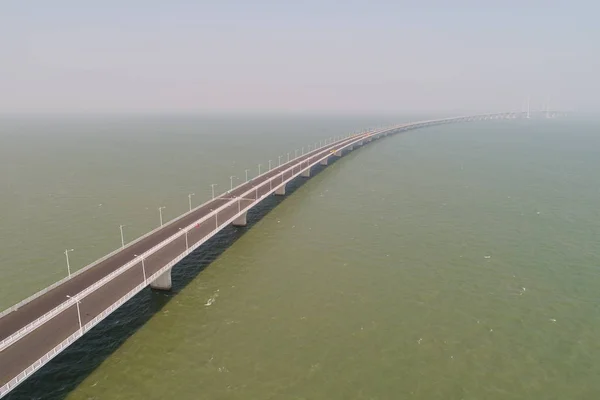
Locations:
(143, 266)
(302, 150)
(295, 153)
(186, 239)
(160, 214)
(212, 186)
(288, 157)
(68, 265)
(231, 181)
(78, 313)
(190, 199)
(279, 160)
(258, 169)
(269, 165)
(122, 239)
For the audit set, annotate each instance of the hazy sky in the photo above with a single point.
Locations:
(297, 56)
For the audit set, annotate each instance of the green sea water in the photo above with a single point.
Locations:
(452, 262)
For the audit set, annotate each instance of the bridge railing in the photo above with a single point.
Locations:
(80, 332)
(105, 257)
(340, 145)
(90, 289)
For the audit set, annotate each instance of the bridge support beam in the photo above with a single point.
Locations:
(241, 220)
(306, 173)
(280, 191)
(338, 153)
(350, 148)
(163, 282)
(324, 161)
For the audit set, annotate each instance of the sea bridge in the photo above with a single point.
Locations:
(40, 327)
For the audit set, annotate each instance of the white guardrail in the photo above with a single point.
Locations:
(337, 146)
(57, 310)
(71, 301)
(96, 262)
(80, 332)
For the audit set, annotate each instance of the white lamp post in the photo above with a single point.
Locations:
(122, 238)
(68, 265)
(190, 199)
(186, 239)
(78, 313)
(160, 214)
(143, 266)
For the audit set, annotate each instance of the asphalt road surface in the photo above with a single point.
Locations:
(21, 354)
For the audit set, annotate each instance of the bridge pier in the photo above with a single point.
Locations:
(350, 148)
(241, 220)
(280, 191)
(163, 282)
(306, 173)
(338, 153)
(324, 161)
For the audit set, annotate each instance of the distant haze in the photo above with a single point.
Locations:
(305, 56)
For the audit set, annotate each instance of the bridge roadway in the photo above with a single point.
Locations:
(34, 332)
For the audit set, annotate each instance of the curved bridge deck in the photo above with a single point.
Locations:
(40, 327)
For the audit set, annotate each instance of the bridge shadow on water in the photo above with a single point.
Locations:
(64, 373)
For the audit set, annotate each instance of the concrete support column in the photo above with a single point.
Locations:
(306, 173)
(338, 153)
(324, 161)
(350, 148)
(163, 282)
(361, 143)
(241, 220)
(280, 191)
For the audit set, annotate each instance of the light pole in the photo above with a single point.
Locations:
(246, 170)
(160, 214)
(122, 239)
(258, 169)
(186, 239)
(78, 313)
(279, 161)
(269, 165)
(302, 150)
(295, 153)
(190, 199)
(68, 265)
(288, 157)
(143, 266)
(231, 181)
(212, 187)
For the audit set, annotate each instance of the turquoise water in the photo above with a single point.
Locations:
(454, 262)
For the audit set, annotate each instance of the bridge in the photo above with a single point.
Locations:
(38, 328)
